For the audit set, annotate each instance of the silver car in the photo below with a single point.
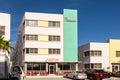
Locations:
(77, 75)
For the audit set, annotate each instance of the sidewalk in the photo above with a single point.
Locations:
(112, 78)
(49, 76)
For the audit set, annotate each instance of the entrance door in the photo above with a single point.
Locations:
(116, 67)
(51, 69)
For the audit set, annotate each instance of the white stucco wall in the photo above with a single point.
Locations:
(42, 58)
(44, 31)
(104, 59)
(5, 21)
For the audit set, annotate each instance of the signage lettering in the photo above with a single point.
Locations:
(69, 20)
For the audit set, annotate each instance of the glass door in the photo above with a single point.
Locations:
(51, 69)
(116, 67)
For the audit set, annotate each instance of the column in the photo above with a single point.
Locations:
(56, 67)
(25, 68)
(76, 66)
(46, 67)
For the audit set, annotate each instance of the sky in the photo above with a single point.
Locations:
(98, 20)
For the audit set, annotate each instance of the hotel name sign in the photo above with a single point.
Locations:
(69, 20)
(52, 60)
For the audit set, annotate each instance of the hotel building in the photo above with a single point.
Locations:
(114, 54)
(100, 55)
(94, 56)
(5, 27)
(48, 42)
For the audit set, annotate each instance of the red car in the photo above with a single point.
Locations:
(93, 74)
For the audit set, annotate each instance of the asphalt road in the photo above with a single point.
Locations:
(48, 79)
(62, 78)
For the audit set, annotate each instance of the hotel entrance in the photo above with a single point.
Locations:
(116, 67)
(51, 69)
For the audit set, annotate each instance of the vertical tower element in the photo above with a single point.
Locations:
(70, 35)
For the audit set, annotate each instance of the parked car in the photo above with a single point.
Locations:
(8, 71)
(116, 74)
(77, 75)
(108, 74)
(93, 74)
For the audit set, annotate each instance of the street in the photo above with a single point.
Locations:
(61, 78)
(48, 79)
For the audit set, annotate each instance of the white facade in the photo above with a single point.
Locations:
(5, 27)
(43, 31)
(5, 21)
(103, 59)
(40, 44)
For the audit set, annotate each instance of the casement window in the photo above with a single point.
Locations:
(87, 53)
(96, 66)
(31, 23)
(40, 23)
(96, 53)
(93, 66)
(54, 24)
(54, 38)
(31, 50)
(54, 51)
(87, 66)
(93, 53)
(31, 37)
(2, 30)
(117, 53)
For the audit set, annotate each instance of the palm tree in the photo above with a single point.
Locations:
(5, 44)
(1, 42)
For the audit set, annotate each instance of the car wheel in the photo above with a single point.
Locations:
(66, 75)
(74, 78)
(91, 78)
(14, 78)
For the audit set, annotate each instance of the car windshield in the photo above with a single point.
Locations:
(17, 68)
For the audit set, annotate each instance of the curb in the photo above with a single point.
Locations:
(49, 76)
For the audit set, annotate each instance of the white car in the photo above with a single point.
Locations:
(77, 75)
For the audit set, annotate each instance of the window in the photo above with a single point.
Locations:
(27, 50)
(29, 67)
(2, 30)
(32, 23)
(96, 65)
(93, 66)
(64, 66)
(31, 37)
(50, 51)
(87, 66)
(31, 50)
(60, 66)
(117, 53)
(87, 53)
(36, 67)
(54, 38)
(54, 24)
(54, 51)
(93, 53)
(42, 66)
